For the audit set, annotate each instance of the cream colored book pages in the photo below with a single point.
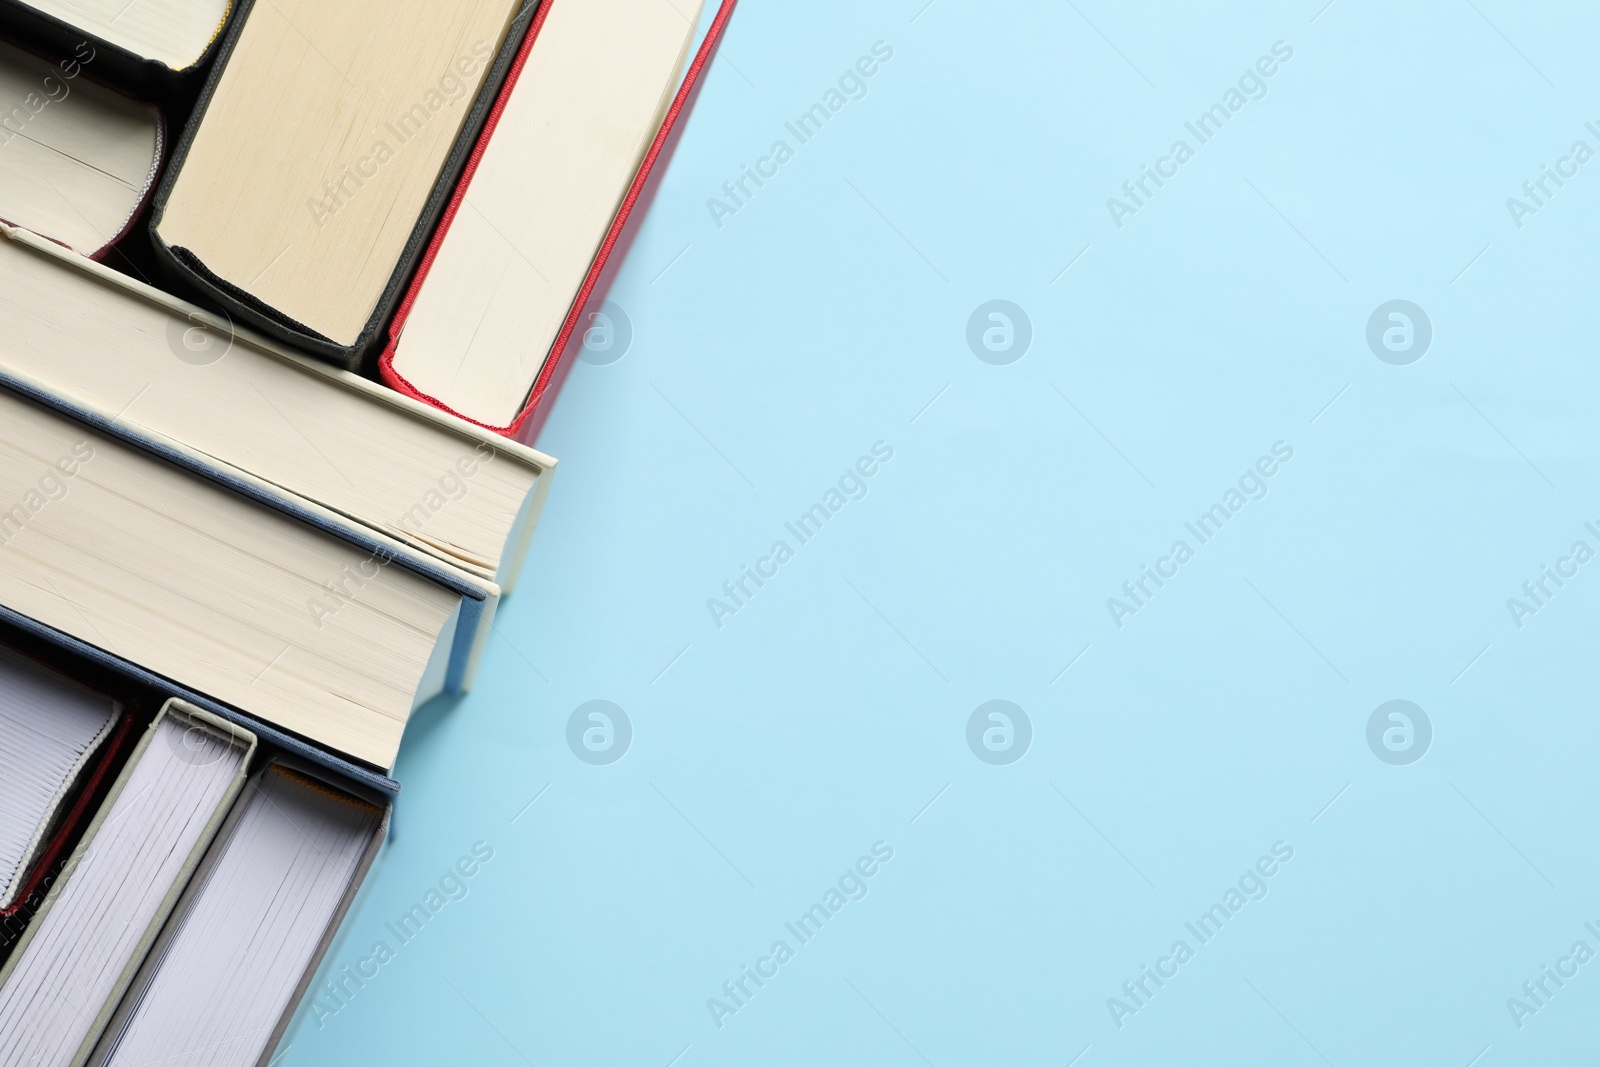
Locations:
(76, 159)
(88, 938)
(174, 32)
(224, 595)
(113, 345)
(588, 103)
(317, 152)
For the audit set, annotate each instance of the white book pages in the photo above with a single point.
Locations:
(231, 970)
(111, 893)
(49, 732)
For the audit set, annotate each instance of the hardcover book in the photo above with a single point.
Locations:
(194, 910)
(77, 160)
(57, 739)
(221, 982)
(153, 48)
(487, 326)
(229, 573)
(300, 204)
(119, 886)
(130, 354)
(261, 599)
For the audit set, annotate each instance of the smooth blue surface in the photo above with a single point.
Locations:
(1229, 713)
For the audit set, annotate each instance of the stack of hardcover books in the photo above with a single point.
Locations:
(286, 290)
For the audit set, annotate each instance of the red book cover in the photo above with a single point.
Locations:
(525, 427)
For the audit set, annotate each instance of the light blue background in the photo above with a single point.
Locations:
(1229, 313)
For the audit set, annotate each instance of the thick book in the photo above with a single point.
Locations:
(145, 692)
(263, 600)
(166, 369)
(57, 739)
(156, 49)
(323, 147)
(486, 329)
(65, 834)
(121, 883)
(234, 929)
(78, 161)
(222, 981)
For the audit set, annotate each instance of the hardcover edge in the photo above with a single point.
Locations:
(61, 818)
(150, 76)
(118, 1022)
(75, 818)
(331, 933)
(525, 426)
(149, 188)
(242, 483)
(478, 597)
(135, 674)
(174, 707)
(543, 465)
(268, 319)
(158, 121)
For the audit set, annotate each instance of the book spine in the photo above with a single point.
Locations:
(526, 425)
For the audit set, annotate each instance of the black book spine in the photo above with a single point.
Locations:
(185, 273)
